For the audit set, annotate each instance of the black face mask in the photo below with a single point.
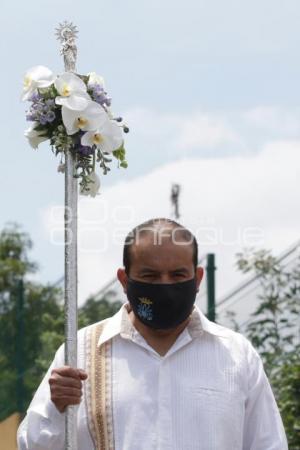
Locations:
(162, 306)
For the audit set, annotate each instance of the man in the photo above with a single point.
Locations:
(158, 375)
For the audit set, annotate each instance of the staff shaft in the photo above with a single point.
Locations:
(66, 34)
(71, 195)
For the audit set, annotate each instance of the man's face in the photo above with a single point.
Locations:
(166, 262)
(162, 260)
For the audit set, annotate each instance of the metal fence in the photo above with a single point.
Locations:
(245, 298)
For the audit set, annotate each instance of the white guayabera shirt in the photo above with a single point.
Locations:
(209, 392)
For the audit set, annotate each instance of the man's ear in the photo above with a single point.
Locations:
(199, 276)
(123, 278)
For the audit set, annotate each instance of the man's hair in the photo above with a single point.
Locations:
(178, 230)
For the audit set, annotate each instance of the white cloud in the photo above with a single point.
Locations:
(163, 137)
(228, 202)
(160, 137)
(184, 131)
(205, 131)
(280, 120)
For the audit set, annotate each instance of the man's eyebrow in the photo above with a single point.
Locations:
(180, 269)
(147, 270)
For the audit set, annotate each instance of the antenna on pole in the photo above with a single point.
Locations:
(175, 191)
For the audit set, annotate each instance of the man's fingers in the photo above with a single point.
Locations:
(66, 386)
(57, 379)
(62, 402)
(67, 371)
(64, 391)
(83, 375)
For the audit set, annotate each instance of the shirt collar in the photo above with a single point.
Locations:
(199, 323)
(120, 324)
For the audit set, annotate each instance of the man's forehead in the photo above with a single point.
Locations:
(149, 245)
(160, 233)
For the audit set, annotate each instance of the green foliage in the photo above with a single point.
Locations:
(28, 354)
(274, 331)
(18, 351)
(14, 246)
(120, 155)
(286, 384)
(94, 310)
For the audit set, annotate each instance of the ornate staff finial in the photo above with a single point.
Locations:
(66, 33)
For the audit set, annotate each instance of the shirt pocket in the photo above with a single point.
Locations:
(217, 399)
(222, 414)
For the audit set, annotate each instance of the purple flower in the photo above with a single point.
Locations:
(41, 110)
(43, 119)
(84, 150)
(35, 97)
(96, 87)
(50, 102)
(100, 96)
(30, 117)
(50, 116)
(38, 107)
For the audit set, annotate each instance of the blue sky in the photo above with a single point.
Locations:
(194, 79)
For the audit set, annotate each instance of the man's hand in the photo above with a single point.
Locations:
(66, 386)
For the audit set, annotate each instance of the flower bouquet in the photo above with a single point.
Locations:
(73, 113)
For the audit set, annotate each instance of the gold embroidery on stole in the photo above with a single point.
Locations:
(99, 389)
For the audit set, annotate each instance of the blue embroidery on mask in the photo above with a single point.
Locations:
(144, 309)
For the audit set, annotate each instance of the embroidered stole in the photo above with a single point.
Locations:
(99, 388)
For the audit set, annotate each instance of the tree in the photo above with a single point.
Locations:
(94, 310)
(38, 310)
(274, 331)
(19, 373)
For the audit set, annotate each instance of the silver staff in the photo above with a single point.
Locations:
(66, 34)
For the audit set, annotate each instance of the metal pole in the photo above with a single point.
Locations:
(175, 199)
(210, 280)
(70, 288)
(67, 34)
(20, 347)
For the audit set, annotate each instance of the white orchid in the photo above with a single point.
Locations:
(73, 92)
(95, 79)
(73, 113)
(107, 137)
(89, 119)
(36, 77)
(93, 185)
(34, 137)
